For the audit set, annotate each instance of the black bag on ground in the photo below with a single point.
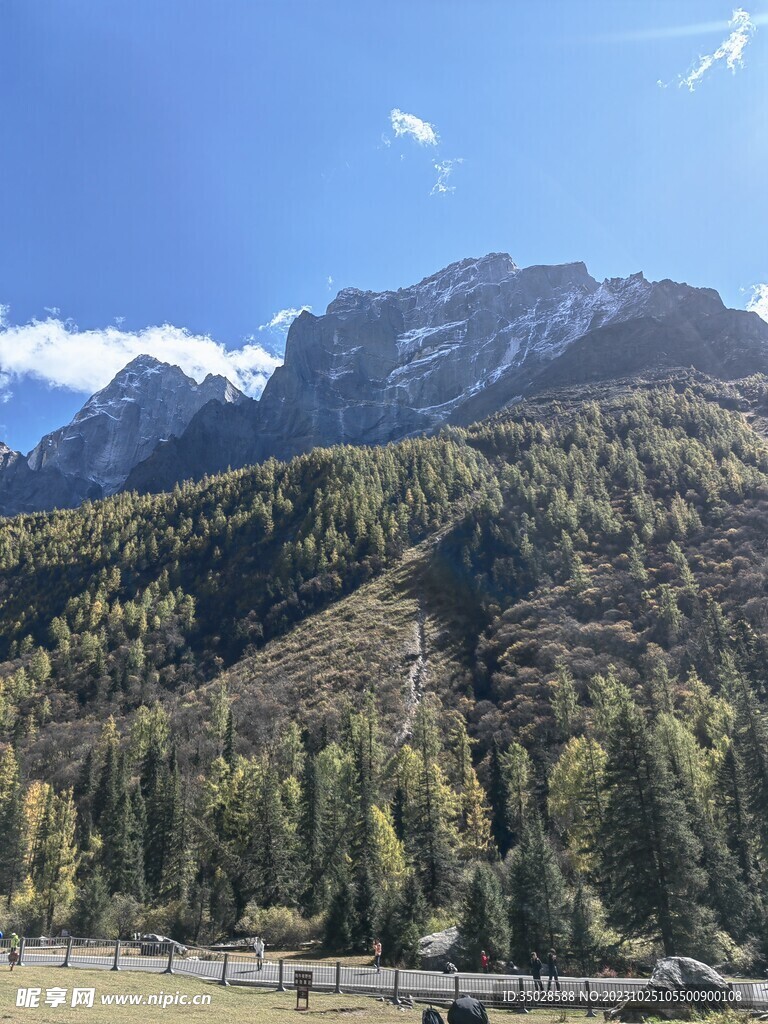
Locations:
(467, 1010)
(431, 1016)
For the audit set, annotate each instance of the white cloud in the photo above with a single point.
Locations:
(60, 354)
(283, 319)
(444, 170)
(731, 50)
(696, 28)
(758, 301)
(408, 124)
(329, 282)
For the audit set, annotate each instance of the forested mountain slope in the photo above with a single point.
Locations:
(511, 676)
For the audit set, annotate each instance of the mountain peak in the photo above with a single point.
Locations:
(378, 366)
(146, 402)
(145, 363)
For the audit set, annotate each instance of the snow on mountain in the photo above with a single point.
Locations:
(379, 366)
(147, 402)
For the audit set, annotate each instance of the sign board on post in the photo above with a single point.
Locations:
(303, 980)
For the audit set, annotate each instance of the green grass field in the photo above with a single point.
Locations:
(233, 1005)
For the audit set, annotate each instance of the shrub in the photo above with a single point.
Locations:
(280, 927)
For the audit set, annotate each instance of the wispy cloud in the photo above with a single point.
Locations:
(444, 170)
(758, 301)
(731, 50)
(660, 32)
(60, 354)
(283, 319)
(408, 124)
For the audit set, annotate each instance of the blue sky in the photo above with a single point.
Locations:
(207, 163)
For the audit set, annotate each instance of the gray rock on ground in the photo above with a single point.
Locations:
(437, 949)
(682, 972)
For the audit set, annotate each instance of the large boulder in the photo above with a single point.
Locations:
(437, 949)
(681, 972)
(672, 974)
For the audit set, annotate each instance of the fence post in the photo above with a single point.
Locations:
(455, 986)
(224, 969)
(337, 990)
(396, 987)
(280, 972)
(590, 1007)
(521, 987)
(22, 947)
(169, 968)
(68, 953)
(116, 961)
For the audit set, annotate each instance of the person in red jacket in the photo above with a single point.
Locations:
(485, 962)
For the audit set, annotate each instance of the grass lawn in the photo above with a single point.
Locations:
(233, 1005)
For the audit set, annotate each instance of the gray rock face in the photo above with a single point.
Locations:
(681, 972)
(7, 456)
(380, 366)
(437, 949)
(118, 427)
(453, 348)
(121, 425)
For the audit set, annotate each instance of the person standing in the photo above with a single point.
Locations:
(553, 975)
(377, 954)
(258, 948)
(485, 961)
(536, 966)
(13, 953)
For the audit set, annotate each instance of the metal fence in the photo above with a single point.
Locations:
(239, 968)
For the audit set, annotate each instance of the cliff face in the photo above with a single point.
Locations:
(453, 348)
(118, 427)
(379, 366)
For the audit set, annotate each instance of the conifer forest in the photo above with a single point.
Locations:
(510, 677)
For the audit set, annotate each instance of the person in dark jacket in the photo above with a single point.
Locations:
(467, 1010)
(536, 966)
(552, 965)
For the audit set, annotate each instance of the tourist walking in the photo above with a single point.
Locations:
(377, 954)
(553, 975)
(536, 966)
(258, 949)
(485, 962)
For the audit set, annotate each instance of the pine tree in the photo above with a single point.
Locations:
(649, 852)
(340, 921)
(509, 792)
(91, 908)
(474, 814)
(587, 929)
(155, 793)
(53, 859)
(565, 701)
(750, 740)
(725, 892)
(403, 921)
(11, 824)
(269, 849)
(577, 798)
(537, 892)
(430, 832)
(485, 918)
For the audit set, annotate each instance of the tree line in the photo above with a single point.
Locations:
(594, 779)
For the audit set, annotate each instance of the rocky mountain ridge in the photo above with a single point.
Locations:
(147, 402)
(379, 366)
(455, 347)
